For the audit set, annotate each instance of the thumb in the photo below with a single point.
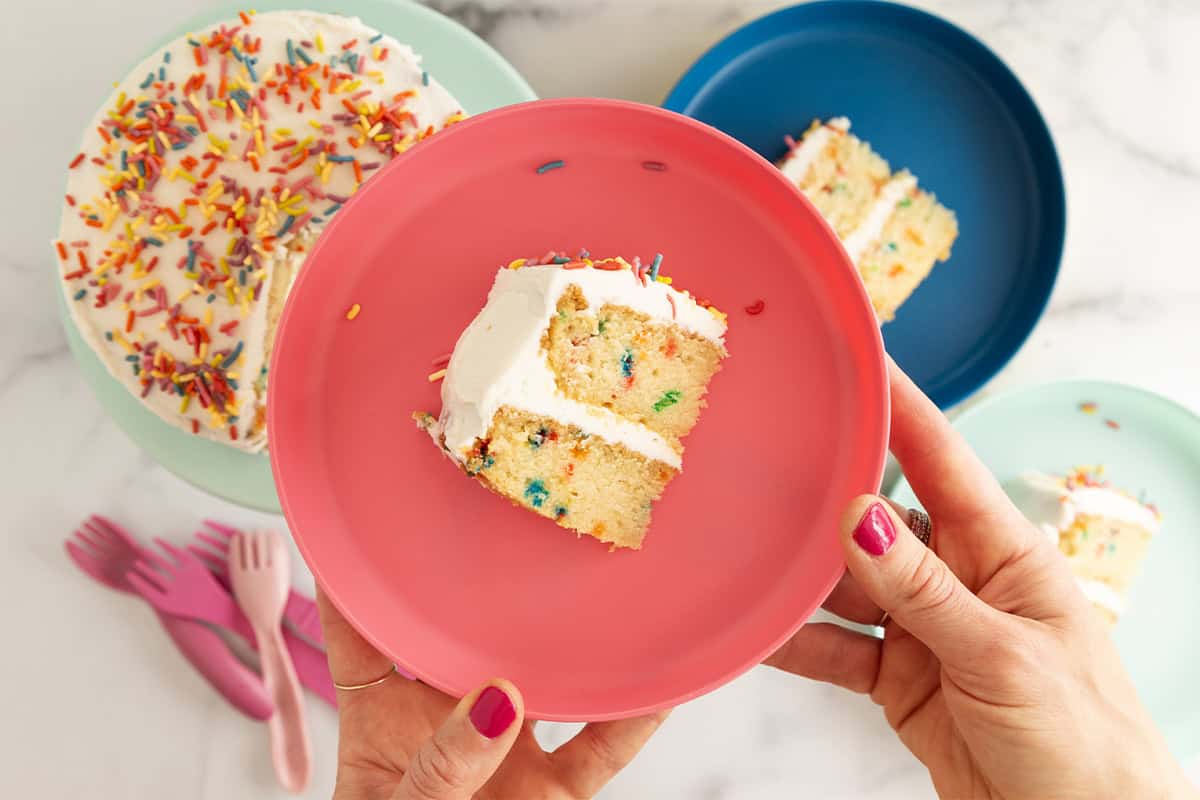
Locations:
(915, 587)
(466, 751)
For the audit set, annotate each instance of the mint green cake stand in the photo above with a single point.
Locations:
(466, 65)
(1156, 449)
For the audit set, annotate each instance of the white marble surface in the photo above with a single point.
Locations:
(94, 701)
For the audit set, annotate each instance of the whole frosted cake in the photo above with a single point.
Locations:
(1102, 531)
(893, 232)
(200, 186)
(571, 390)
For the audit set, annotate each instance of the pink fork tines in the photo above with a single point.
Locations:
(104, 551)
(178, 585)
(301, 612)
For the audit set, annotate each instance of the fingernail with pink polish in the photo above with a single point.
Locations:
(875, 531)
(493, 712)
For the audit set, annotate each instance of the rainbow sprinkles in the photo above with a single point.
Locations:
(200, 187)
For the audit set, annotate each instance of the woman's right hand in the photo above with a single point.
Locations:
(994, 670)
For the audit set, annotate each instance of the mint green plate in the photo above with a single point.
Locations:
(467, 66)
(1155, 450)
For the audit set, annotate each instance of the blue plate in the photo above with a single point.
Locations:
(930, 97)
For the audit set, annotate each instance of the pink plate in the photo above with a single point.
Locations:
(456, 584)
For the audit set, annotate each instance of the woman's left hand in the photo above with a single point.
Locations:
(402, 740)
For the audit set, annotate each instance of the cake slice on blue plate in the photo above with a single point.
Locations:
(893, 232)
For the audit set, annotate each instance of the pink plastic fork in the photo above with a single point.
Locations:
(301, 612)
(105, 551)
(259, 571)
(178, 583)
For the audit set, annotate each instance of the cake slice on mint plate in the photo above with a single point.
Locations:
(571, 391)
(1102, 531)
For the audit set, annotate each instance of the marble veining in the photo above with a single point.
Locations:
(112, 712)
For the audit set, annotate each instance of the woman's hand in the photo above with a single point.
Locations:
(994, 670)
(402, 740)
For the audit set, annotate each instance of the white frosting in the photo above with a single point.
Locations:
(796, 165)
(1102, 595)
(1050, 505)
(1099, 502)
(499, 360)
(869, 230)
(375, 77)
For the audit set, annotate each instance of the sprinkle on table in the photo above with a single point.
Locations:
(353, 312)
(549, 165)
(1112, 423)
(755, 308)
(1088, 407)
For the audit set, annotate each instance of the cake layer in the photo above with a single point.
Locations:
(838, 173)
(200, 186)
(1105, 549)
(579, 480)
(647, 371)
(917, 235)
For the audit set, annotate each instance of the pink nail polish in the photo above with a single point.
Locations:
(875, 531)
(493, 712)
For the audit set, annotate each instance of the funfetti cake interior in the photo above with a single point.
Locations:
(572, 389)
(893, 231)
(201, 185)
(1102, 531)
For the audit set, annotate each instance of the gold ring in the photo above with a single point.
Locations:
(354, 687)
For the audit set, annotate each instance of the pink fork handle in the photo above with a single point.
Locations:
(312, 667)
(310, 664)
(291, 750)
(236, 682)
